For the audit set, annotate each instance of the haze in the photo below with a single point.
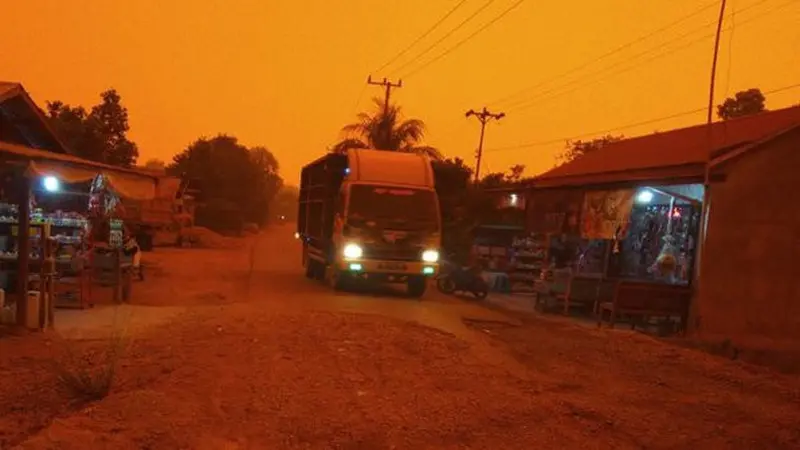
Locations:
(288, 74)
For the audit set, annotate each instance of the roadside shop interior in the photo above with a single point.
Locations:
(653, 239)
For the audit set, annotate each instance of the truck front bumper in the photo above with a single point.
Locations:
(388, 269)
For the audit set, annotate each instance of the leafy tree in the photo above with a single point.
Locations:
(156, 165)
(99, 135)
(515, 173)
(744, 103)
(455, 194)
(575, 149)
(235, 184)
(385, 129)
(285, 202)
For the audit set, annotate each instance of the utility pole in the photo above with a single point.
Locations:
(705, 211)
(483, 116)
(388, 85)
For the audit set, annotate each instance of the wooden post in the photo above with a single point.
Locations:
(23, 247)
(50, 285)
(117, 275)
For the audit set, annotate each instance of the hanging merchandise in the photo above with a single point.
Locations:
(605, 213)
(667, 260)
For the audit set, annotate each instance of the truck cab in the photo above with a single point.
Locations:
(379, 219)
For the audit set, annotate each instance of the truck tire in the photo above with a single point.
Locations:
(315, 270)
(338, 280)
(417, 286)
(311, 269)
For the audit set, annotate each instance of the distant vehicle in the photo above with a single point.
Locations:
(370, 215)
(165, 216)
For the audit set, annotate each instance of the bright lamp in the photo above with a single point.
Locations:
(430, 256)
(352, 251)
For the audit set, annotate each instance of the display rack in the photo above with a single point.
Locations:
(530, 255)
(66, 233)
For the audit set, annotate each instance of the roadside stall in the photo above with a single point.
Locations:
(61, 231)
(602, 243)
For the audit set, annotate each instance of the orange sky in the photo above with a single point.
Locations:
(288, 74)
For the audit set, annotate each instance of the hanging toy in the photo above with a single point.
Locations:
(667, 260)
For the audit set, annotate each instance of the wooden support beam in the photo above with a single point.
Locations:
(23, 246)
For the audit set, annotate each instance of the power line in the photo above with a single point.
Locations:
(423, 36)
(448, 34)
(464, 41)
(607, 54)
(536, 100)
(623, 127)
(523, 101)
(526, 103)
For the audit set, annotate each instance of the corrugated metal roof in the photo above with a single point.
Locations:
(35, 154)
(683, 151)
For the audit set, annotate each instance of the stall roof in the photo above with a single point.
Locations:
(129, 183)
(28, 124)
(673, 155)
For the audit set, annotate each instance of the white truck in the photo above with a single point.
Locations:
(370, 215)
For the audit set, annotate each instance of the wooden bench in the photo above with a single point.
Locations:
(643, 299)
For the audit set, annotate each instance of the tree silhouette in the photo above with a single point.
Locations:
(155, 165)
(744, 103)
(235, 184)
(578, 148)
(99, 135)
(385, 129)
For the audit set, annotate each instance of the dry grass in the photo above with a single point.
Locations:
(88, 374)
(89, 377)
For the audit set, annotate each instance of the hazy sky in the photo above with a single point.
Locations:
(288, 74)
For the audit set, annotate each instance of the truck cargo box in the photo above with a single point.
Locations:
(319, 184)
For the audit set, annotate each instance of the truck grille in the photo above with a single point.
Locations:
(392, 253)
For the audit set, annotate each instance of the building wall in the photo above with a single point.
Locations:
(750, 274)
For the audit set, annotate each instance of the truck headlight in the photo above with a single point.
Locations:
(430, 256)
(352, 251)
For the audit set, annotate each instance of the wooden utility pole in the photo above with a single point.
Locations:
(483, 116)
(388, 85)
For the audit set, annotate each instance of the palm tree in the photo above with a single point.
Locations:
(385, 130)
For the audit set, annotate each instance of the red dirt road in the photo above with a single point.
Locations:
(284, 364)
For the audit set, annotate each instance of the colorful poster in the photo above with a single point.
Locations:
(606, 213)
(554, 211)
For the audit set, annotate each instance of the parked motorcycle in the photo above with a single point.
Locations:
(455, 278)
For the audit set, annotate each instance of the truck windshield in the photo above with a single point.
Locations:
(380, 203)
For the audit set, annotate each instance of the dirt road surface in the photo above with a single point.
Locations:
(219, 356)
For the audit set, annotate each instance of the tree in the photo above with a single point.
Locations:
(100, 135)
(285, 202)
(455, 194)
(155, 165)
(744, 103)
(515, 173)
(575, 149)
(385, 129)
(235, 184)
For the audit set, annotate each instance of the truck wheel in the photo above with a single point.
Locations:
(311, 269)
(417, 286)
(337, 279)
